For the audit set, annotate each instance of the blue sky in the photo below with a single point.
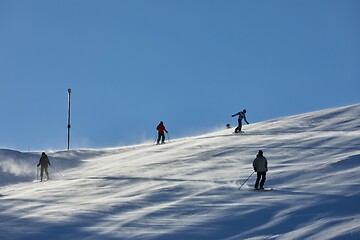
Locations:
(191, 64)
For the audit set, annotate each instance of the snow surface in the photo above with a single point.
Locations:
(188, 189)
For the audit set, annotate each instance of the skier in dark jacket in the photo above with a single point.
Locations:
(161, 135)
(260, 167)
(44, 162)
(241, 117)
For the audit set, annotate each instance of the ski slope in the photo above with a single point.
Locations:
(188, 189)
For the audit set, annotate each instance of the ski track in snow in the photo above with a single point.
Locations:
(188, 189)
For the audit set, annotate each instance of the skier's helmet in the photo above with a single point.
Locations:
(244, 111)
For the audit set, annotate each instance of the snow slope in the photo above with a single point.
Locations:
(188, 189)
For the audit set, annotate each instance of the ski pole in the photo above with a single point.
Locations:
(57, 171)
(155, 140)
(37, 173)
(168, 137)
(246, 180)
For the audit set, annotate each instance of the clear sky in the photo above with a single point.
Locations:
(189, 63)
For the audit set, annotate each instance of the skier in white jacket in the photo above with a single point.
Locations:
(44, 162)
(260, 167)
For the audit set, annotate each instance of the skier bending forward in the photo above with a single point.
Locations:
(241, 117)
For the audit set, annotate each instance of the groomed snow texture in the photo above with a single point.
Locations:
(188, 189)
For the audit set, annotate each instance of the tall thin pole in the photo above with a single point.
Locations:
(69, 126)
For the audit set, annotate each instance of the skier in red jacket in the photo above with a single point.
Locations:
(161, 135)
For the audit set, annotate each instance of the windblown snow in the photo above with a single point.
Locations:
(188, 189)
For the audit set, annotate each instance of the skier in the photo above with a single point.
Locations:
(44, 162)
(241, 117)
(161, 135)
(260, 167)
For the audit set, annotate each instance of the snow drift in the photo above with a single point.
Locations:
(188, 189)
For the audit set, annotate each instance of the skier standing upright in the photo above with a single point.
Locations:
(44, 162)
(240, 118)
(161, 135)
(260, 167)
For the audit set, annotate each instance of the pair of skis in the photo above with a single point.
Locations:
(263, 189)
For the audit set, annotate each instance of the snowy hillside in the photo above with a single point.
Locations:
(188, 189)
